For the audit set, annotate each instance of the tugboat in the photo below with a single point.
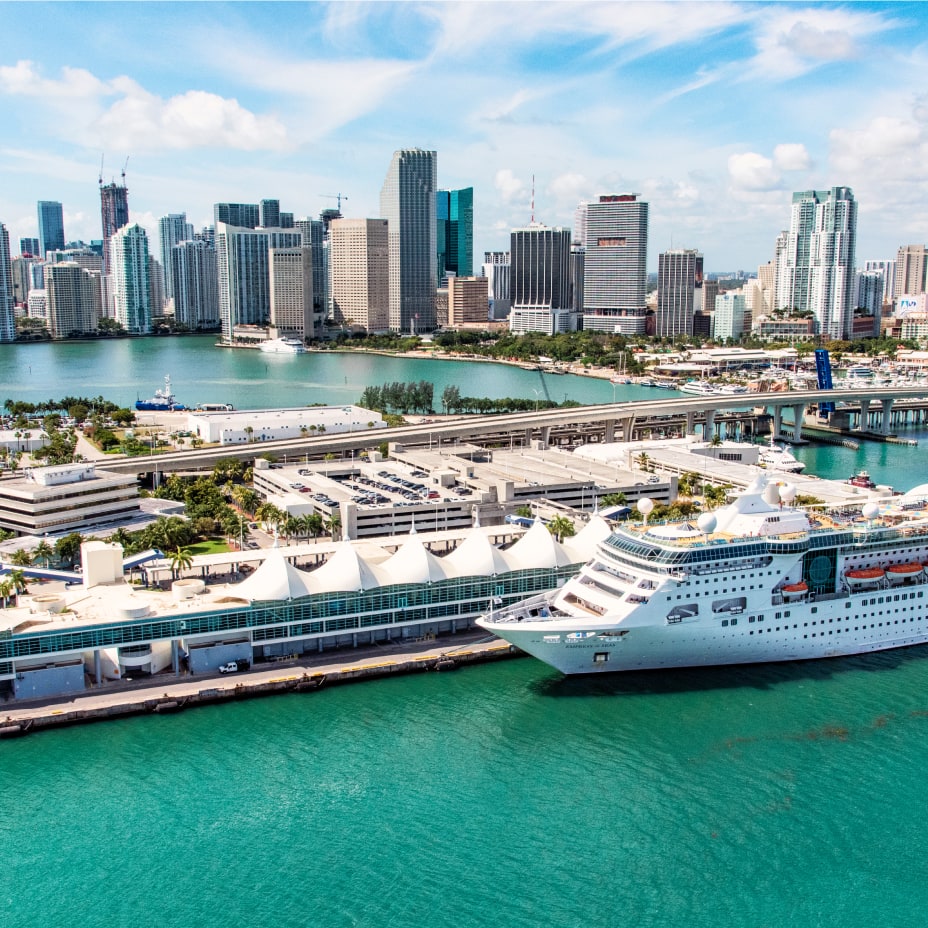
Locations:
(862, 479)
(162, 401)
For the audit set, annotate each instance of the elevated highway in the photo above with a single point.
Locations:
(613, 418)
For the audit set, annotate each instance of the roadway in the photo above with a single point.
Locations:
(473, 428)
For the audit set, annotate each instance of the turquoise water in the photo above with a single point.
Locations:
(124, 370)
(505, 795)
(501, 795)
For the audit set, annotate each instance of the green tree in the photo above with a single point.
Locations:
(43, 553)
(21, 557)
(181, 559)
(68, 548)
(561, 527)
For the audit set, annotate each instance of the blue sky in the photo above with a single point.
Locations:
(714, 112)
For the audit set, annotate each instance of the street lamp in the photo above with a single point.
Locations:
(536, 392)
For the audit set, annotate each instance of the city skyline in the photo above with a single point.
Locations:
(713, 112)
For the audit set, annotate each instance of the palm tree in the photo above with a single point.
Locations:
(18, 580)
(561, 527)
(249, 431)
(6, 591)
(268, 514)
(21, 557)
(716, 496)
(43, 552)
(643, 460)
(181, 559)
(688, 483)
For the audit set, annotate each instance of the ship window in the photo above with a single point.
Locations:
(896, 598)
(734, 621)
(750, 618)
(724, 622)
(600, 657)
(847, 605)
(814, 609)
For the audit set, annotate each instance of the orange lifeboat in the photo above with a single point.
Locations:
(795, 590)
(901, 572)
(864, 577)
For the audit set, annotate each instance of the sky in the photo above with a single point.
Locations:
(713, 112)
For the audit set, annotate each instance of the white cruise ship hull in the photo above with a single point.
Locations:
(757, 582)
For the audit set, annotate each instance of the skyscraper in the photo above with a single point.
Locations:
(7, 320)
(172, 230)
(30, 246)
(360, 259)
(290, 274)
(454, 211)
(130, 279)
(679, 291)
(241, 215)
(269, 214)
(496, 269)
(815, 260)
(911, 270)
(51, 225)
(313, 232)
(540, 281)
(888, 269)
(407, 202)
(615, 266)
(243, 274)
(114, 211)
(196, 287)
(74, 299)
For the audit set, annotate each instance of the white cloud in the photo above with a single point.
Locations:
(570, 187)
(791, 41)
(791, 156)
(752, 171)
(509, 186)
(138, 120)
(195, 119)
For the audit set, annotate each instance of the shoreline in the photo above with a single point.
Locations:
(176, 694)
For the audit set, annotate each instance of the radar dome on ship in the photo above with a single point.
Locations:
(707, 523)
(771, 494)
(870, 511)
(645, 506)
(788, 493)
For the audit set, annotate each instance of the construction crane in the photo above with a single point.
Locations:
(101, 168)
(124, 171)
(335, 196)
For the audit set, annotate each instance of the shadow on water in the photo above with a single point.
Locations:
(730, 677)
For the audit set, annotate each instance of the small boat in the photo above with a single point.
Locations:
(162, 401)
(699, 387)
(864, 576)
(795, 590)
(779, 458)
(283, 346)
(899, 573)
(862, 479)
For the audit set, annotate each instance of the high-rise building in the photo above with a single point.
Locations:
(911, 270)
(85, 257)
(157, 299)
(468, 301)
(407, 202)
(196, 287)
(21, 271)
(540, 281)
(679, 291)
(131, 285)
(243, 274)
(454, 229)
(172, 230)
(580, 216)
(74, 299)
(114, 211)
(286, 221)
(313, 232)
(51, 225)
(815, 259)
(496, 269)
(290, 272)
(7, 318)
(360, 263)
(868, 292)
(888, 270)
(30, 246)
(615, 272)
(269, 214)
(241, 215)
(728, 317)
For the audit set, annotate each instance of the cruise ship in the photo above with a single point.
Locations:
(759, 580)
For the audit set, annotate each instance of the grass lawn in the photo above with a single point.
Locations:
(213, 546)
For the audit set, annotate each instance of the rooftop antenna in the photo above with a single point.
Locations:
(124, 171)
(101, 168)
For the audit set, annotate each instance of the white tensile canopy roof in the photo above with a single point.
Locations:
(275, 579)
(537, 548)
(413, 563)
(476, 557)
